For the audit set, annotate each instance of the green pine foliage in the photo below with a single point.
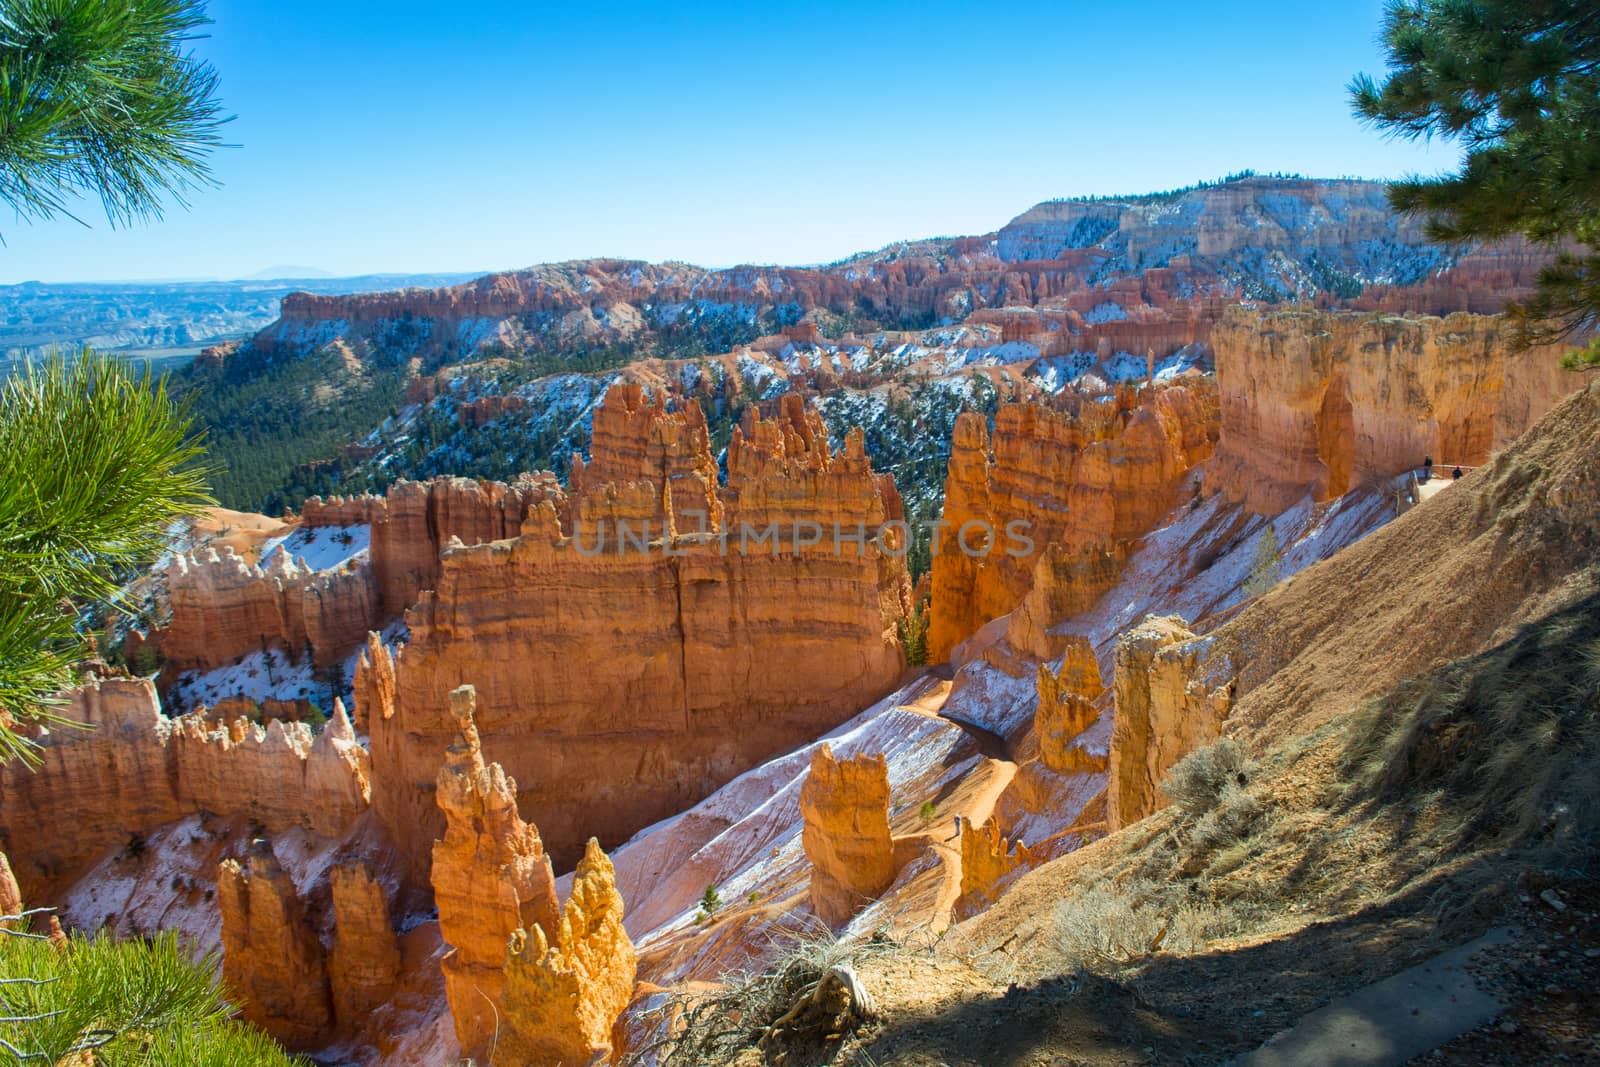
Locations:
(913, 630)
(95, 464)
(1514, 82)
(127, 1002)
(1266, 566)
(100, 98)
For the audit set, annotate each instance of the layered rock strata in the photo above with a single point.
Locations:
(1063, 491)
(844, 805)
(224, 608)
(1322, 402)
(688, 627)
(134, 769)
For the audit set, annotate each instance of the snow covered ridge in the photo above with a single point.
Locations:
(319, 548)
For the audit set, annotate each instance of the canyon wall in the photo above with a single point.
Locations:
(621, 682)
(420, 518)
(1129, 274)
(134, 769)
(1079, 486)
(224, 608)
(1321, 402)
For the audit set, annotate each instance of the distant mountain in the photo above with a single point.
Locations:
(162, 317)
(286, 273)
(349, 390)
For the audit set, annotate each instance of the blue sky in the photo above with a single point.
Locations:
(408, 136)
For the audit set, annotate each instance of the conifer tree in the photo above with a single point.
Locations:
(1515, 83)
(100, 98)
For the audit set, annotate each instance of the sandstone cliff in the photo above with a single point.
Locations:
(1087, 483)
(271, 957)
(135, 769)
(1165, 710)
(223, 608)
(491, 878)
(687, 628)
(1322, 402)
(563, 994)
(845, 808)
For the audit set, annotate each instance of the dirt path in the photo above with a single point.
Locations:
(995, 773)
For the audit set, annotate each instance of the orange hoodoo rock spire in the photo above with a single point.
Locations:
(563, 995)
(491, 878)
(845, 805)
(271, 956)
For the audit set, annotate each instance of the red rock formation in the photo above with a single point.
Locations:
(1321, 402)
(10, 892)
(271, 958)
(845, 805)
(224, 608)
(988, 862)
(420, 518)
(361, 510)
(364, 966)
(1090, 483)
(491, 878)
(1067, 706)
(687, 631)
(1165, 710)
(135, 769)
(564, 996)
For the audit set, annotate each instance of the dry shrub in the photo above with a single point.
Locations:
(1106, 928)
(1196, 782)
(717, 1028)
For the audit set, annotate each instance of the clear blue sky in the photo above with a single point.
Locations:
(409, 136)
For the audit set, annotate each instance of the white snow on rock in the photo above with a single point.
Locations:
(320, 547)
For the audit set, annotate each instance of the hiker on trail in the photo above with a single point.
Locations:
(1456, 474)
(1427, 467)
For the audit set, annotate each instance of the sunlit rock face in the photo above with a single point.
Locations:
(135, 769)
(1074, 488)
(619, 682)
(845, 808)
(1327, 401)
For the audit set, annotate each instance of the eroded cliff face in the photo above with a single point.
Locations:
(224, 608)
(136, 769)
(845, 808)
(1077, 488)
(272, 959)
(491, 879)
(419, 519)
(688, 629)
(1165, 710)
(563, 995)
(1326, 401)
